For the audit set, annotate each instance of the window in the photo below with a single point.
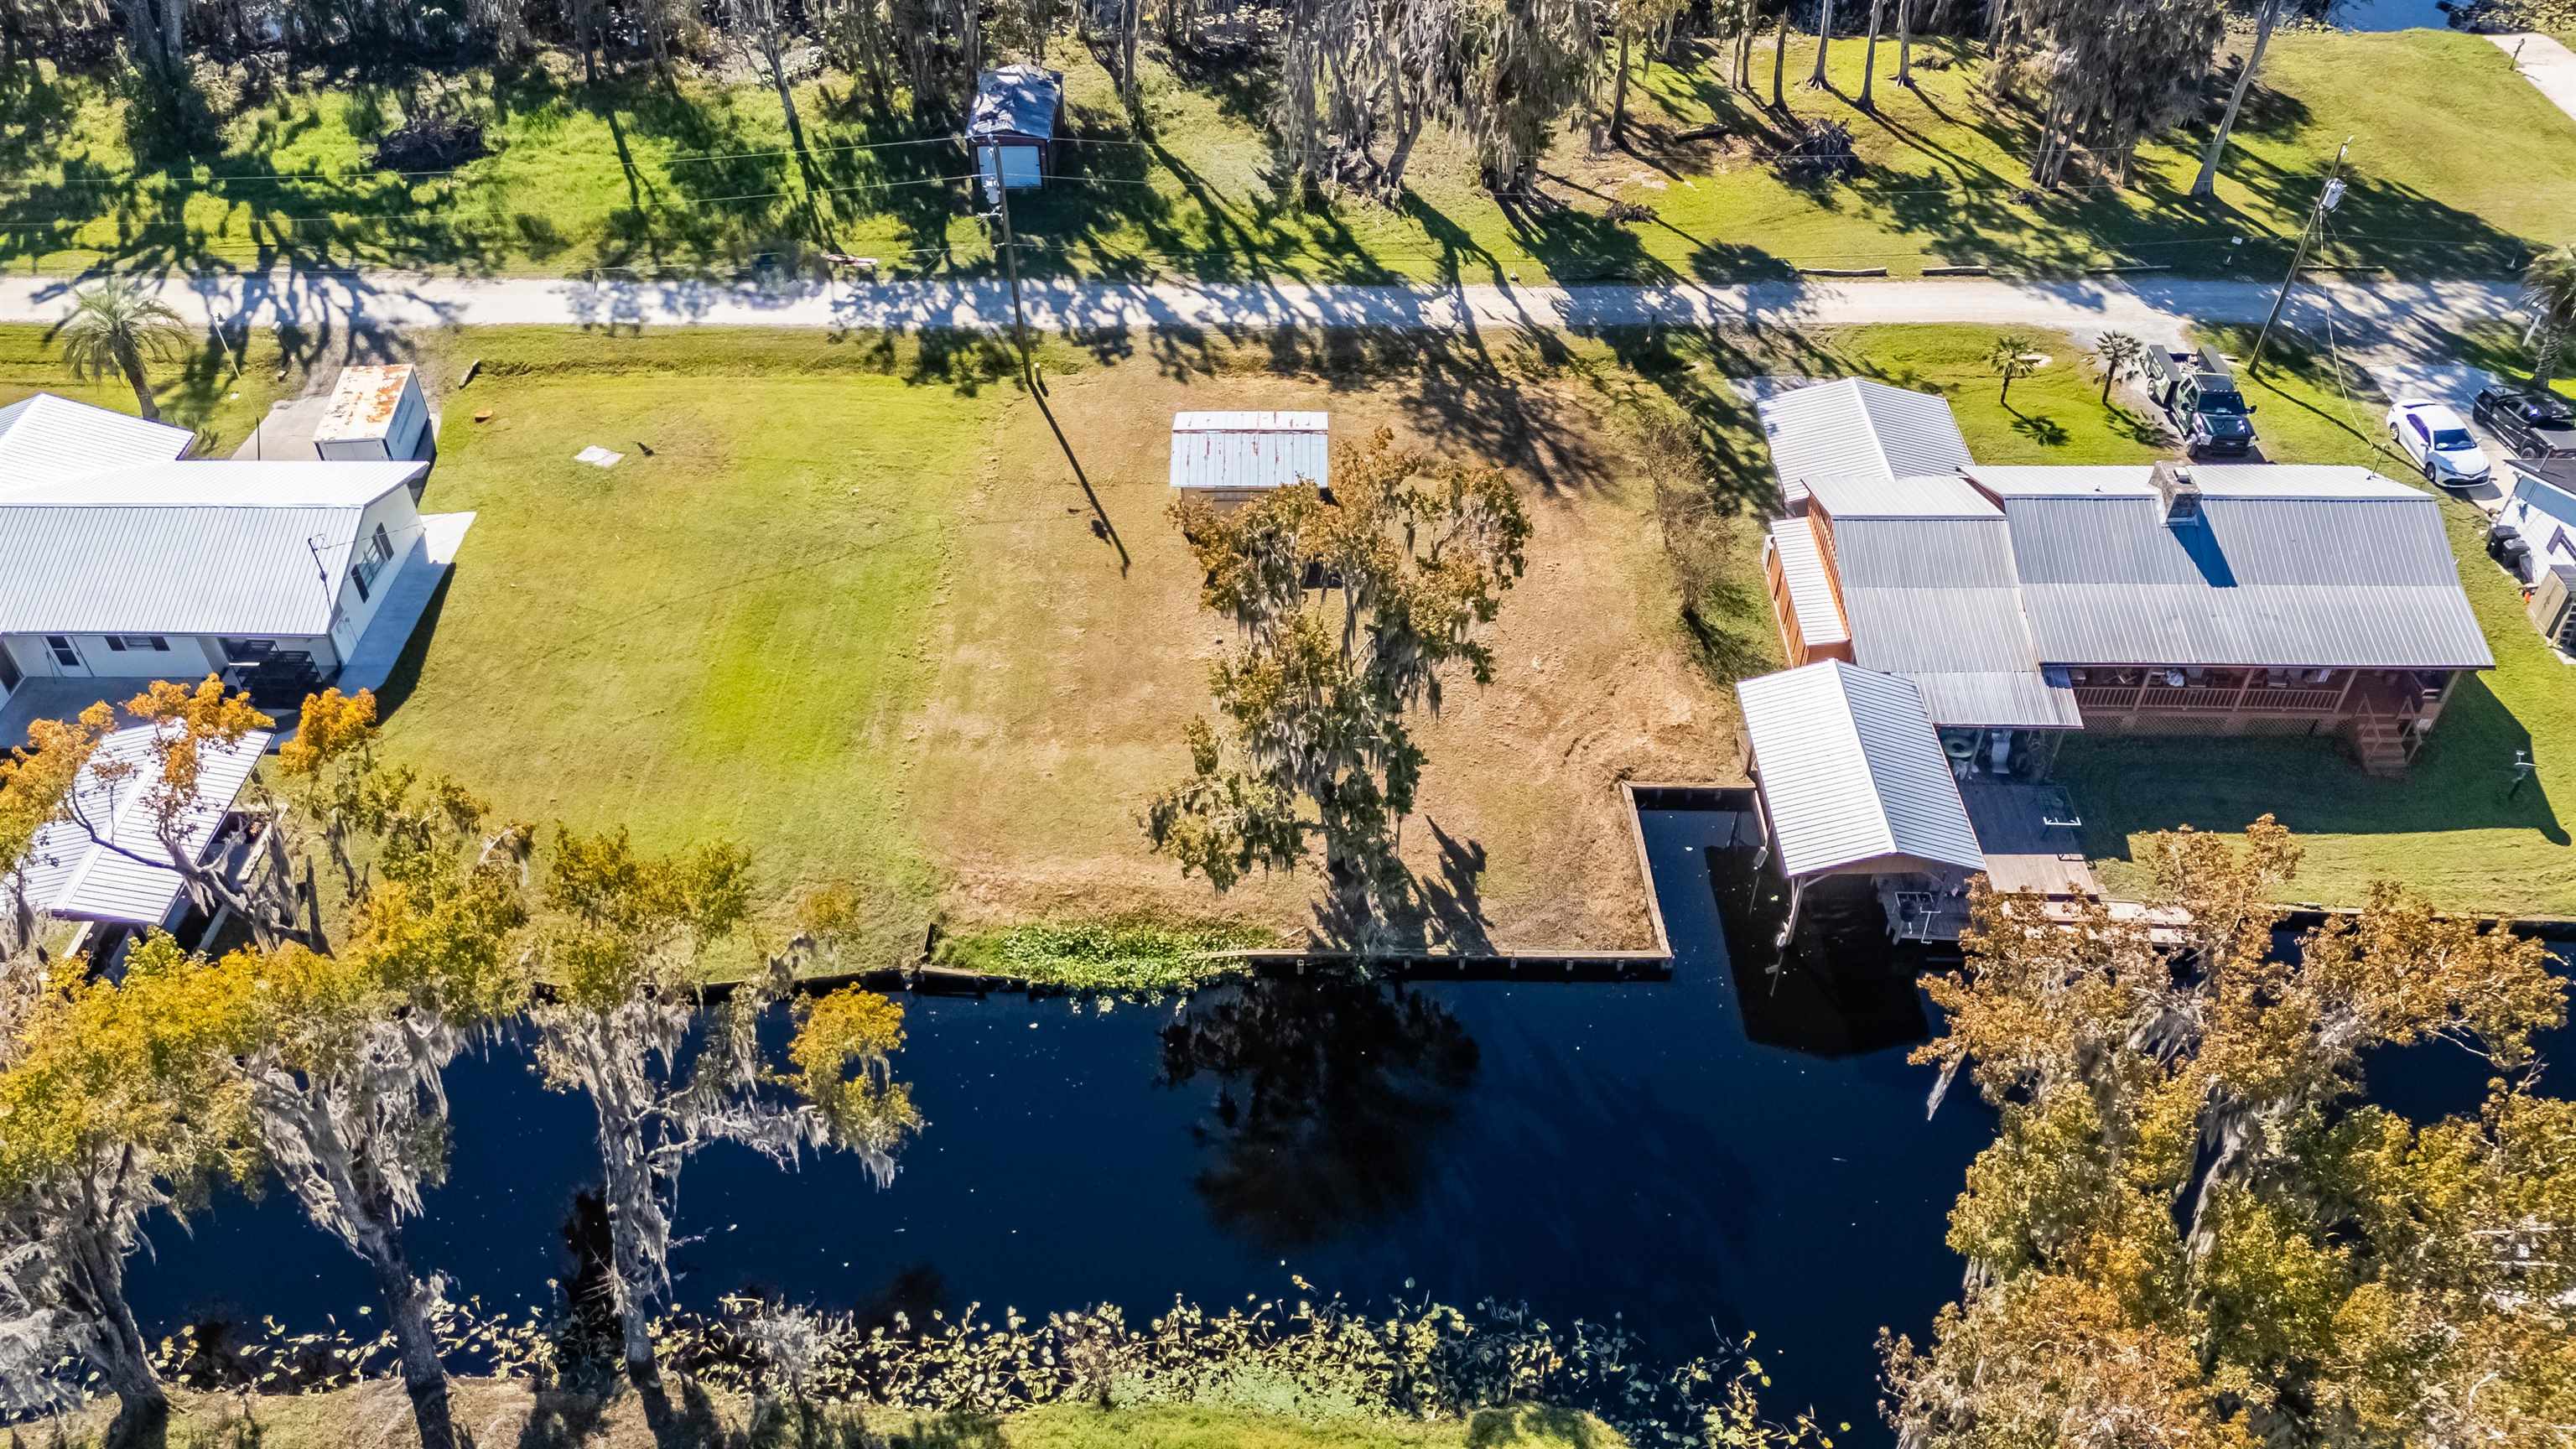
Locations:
(9, 675)
(149, 643)
(372, 560)
(64, 654)
(2417, 424)
(2453, 440)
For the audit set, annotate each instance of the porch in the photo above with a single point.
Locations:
(2173, 699)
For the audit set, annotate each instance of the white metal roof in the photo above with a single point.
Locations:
(1245, 450)
(2325, 566)
(128, 879)
(44, 437)
(222, 483)
(186, 548)
(1811, 594)
(1857, 426)
(1862, 495)
(363, 403)
(1851, 773)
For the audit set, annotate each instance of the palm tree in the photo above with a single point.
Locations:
(2119, 355)
(2549, 284)
(117, 327)
(2009, 358)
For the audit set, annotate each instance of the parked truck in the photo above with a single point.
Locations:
(2199, 394)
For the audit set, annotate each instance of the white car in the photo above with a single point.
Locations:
(2438, 440)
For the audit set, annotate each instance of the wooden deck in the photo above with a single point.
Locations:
(2032, 838)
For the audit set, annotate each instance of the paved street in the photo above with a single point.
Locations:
(357, 304)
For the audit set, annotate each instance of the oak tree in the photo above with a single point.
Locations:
(1354, 611)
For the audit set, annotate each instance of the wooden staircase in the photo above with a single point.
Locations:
(2379, 742)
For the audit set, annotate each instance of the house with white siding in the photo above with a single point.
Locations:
(122, 561)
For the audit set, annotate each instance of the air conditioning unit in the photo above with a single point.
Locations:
(2553, 607)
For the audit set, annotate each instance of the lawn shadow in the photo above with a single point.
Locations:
(2461, 781)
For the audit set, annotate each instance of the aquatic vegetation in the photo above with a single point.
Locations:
(1313, 1357)
(1128, 954)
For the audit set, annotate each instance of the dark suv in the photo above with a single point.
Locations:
(2529, 424)
(2200, 396)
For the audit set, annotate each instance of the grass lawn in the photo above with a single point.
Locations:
(201, 392)
(2447, 827)
(375, 1415)
(721, 635)
(2453, 162)
(849, 606)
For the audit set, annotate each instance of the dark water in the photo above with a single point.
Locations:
(1703, 1155)
(2388, 14)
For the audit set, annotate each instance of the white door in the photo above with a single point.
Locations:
(67, 657)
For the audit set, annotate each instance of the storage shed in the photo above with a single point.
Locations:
(1013, 124)
(377, 415)
(1232, 458)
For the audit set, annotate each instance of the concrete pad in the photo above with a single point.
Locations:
(371, 661)
(2457, 385)
(2548, 65)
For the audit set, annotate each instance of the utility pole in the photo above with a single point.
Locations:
(1010, 261)
(2327, 196)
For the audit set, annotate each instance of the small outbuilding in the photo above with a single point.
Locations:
(1013, 125)
(377, 415)
(1232, 458)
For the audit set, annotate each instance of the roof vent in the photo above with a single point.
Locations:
(2180, 493)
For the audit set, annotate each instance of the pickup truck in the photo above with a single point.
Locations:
(2530, 424)
(2198, 394)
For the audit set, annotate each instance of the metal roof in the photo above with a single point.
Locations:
(1016, 100)
(1922, 495)
(1857, 426)
(1937, 600)
(2288, 566)
(1250, 450)
(44, 436)
(1811, 592)
(186, 548)
(1851, 773)
(128, 880)
(363, 403)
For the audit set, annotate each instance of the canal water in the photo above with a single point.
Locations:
(1703, 1156)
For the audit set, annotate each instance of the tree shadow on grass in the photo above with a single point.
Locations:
(2459, 782)
(2041, 428)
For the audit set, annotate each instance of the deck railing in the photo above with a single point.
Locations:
(2224, 699)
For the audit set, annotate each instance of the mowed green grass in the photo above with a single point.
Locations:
(506, 1410)
(1189, 1426)
(2449, 827)
(719, 638)
(2449, 153)
(200, 391)
(2457, 165)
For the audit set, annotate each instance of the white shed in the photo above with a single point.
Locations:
(377, 415)
(1232, 458)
